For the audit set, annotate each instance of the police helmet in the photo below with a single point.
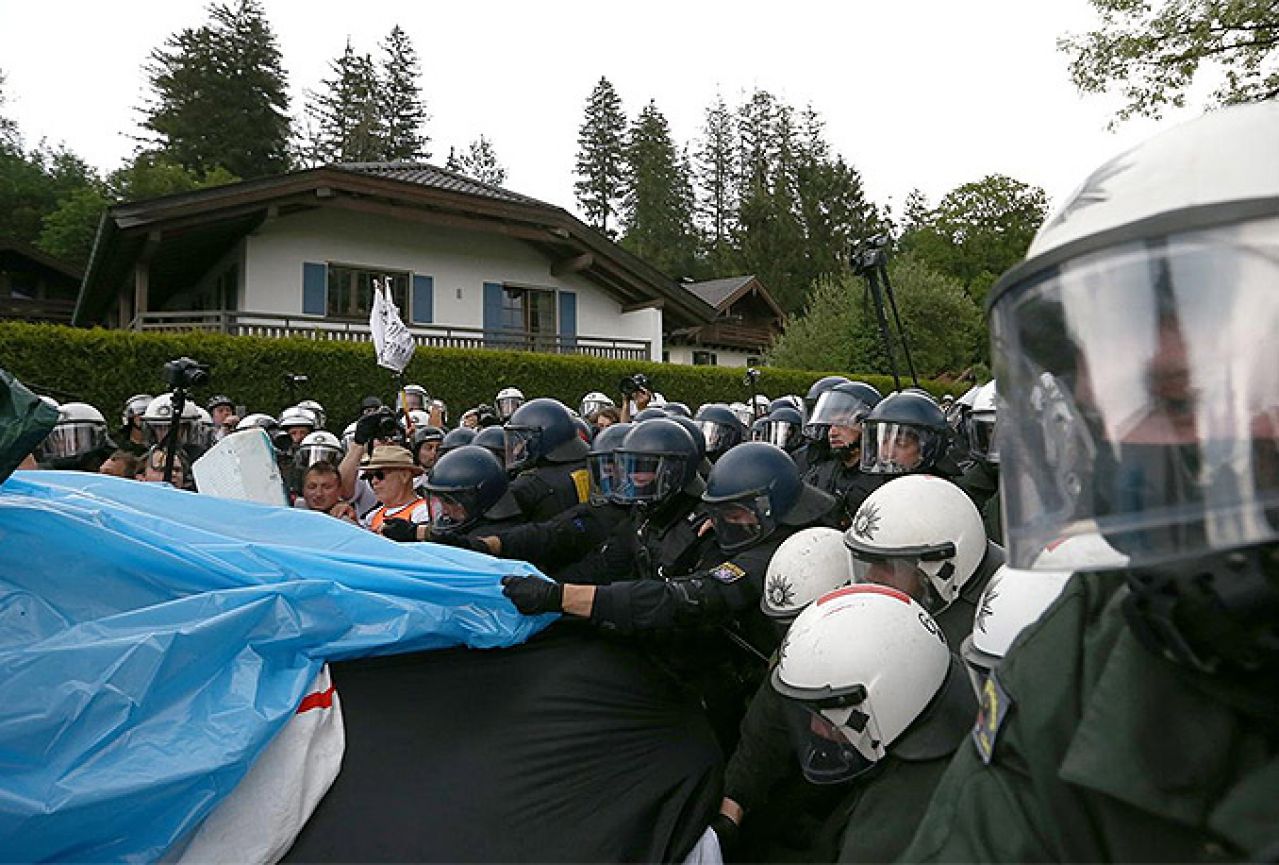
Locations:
(456, 438)
(905, 433)
(605, 478)
(80, 430)
(508, 400)
(721, 429)
(492, 438)
(318, 447)
(656, 460)
(820, 387)
(754, 488)
(464, 485)
(783, 426)
(542, 430)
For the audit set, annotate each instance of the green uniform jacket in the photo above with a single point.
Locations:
(1106, 752)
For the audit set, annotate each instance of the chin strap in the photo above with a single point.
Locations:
(1211, 614)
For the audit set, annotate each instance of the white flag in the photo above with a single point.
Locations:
(391, 336)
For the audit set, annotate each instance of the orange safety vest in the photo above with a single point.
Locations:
(401, 512)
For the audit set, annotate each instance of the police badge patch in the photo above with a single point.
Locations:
(866, 522)
(994, 707)
(727, 572)
(781, 594)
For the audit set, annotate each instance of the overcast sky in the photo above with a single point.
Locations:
(916, 93)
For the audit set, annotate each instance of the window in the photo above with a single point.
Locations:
(705, 358)
(350, 292)
(528, 310)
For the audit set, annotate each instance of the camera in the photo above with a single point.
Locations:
(185, 373)
(869, 254)
(294, 379)
(634, 383)
(384, 424)
(751, 377)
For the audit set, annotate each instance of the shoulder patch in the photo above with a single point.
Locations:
(727, 572)
(994, 707)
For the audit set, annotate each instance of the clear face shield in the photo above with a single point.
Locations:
(521, 447)
(1143, 397)
(742, 522)
(646, 478)
(591, 406)
(834, 744)
(906, 572)
(718, 437)
(155, 432)
(72, 439)
(606, 478)
(784, 434)
(507, 405)
(890, 448)
(834, 408)
(982, 442)
(451, 511)
(308, 455)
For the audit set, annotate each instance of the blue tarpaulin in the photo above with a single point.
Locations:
(152, 641)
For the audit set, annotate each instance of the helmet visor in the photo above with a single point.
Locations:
(718, 436)
(308, 455)
(833, 745)
(981, 437)
(606, 478)
(781, 433)
(740, 523)
(451, 511)
(521, 447)
(903, 573)
(72, 439)
(835, 407)
(591, 406)
(1143, 397)
(645, 477)
(890, 448)
(507, 405)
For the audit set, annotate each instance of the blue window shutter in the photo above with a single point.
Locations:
(315, 288)
(492, 312)
(568, 320)
(422, 306)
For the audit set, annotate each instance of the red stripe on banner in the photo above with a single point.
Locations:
(864, 589)
(318, 700)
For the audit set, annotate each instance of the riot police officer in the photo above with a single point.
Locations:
(543, 447)
(837, 422)
(1135, 720)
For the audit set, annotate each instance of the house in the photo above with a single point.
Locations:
(469, 264)
(746, 322)
(35, 286)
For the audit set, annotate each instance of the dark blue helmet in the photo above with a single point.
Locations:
(541, 431)
(605, 478)
(906, 433)
(754, 488)
(720, 429)
(464, 484)
(656, 460)
(492, 439)
(455, 439)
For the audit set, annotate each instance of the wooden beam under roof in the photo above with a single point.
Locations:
(576, 264)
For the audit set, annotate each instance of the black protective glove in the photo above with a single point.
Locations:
(400, 530)
(462, 542)
(533, 595)
(727, 832)
(366, 428)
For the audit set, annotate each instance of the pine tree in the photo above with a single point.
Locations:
(600, 157)
(402, 111)
(10, 141)
(478, 161)
(657, 207)
(348, 123)
(220, 95)
(715, 173)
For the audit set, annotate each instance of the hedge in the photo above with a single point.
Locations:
(106, 367)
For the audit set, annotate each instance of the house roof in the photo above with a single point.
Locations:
(723, 293)
(12, 251)
(180, 236)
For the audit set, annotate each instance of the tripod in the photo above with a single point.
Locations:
(870, 261)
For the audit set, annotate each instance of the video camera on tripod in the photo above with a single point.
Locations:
(869, 260)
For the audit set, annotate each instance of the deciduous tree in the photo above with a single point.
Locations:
(1153, 52)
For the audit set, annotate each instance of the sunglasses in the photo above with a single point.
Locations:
(375, 475)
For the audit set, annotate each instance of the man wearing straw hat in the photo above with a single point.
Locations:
(390, 471)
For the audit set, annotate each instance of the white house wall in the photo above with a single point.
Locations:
(459, 261)
(723, 356)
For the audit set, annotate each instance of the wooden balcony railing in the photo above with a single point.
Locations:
(274, 325)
